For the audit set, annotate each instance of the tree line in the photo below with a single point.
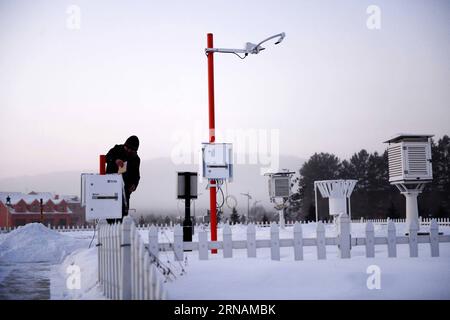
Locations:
(373, 196)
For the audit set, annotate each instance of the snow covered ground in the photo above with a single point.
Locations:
(41, 259)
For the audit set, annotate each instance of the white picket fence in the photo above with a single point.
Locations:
(422, 221)
(343, 240)
(126, 270)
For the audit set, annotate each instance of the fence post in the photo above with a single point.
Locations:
(202, 245)
(153, 246)
(152, 280)
(298, 241)
(100, 248)
(392, 240)
(125, 248)
(344, 236)
(251, 240)
(320, 240)
(413, 243)
(370, 240)
(434, 238)
(113, 260)
(109, 263)
(119, 255)
(146, 271)
(141, 264)
(274, 242)
(178, 243)
(227, 242)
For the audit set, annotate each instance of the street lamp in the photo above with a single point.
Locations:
(210, 50)
(248, 203)
(250, 48)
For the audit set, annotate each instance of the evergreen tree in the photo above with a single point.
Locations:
(321, 166)
(234, 217)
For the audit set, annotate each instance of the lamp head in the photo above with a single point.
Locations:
(282, 35)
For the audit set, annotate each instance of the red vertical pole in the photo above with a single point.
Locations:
(212, 138)
(102, 164)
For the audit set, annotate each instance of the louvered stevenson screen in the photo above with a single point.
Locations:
(395, 161)
(417, 163)
(282, 187)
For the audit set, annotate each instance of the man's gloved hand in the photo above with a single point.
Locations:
(119, 163)
(132, 188)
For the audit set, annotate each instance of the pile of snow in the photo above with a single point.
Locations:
(36, 243)
(76, 277)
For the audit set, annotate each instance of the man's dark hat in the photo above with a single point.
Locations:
(132, 142)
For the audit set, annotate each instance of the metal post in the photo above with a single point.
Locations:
(248, 206)
(187, 224)
(212, 138)
(412, 211)
(315, 196)
(42, 210)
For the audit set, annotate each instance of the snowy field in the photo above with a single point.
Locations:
(34, 263)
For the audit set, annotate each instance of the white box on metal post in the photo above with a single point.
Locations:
(102, 196)
(409, 157)
(217, 161)
(280, 187)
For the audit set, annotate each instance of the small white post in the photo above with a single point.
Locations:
(370, 240)
(320, 239)
(125, 247)
(227, 242)
(434, 238)
(282, 222)
(178, 243)
(110, 262)
(298, 241)
(274, 242)
(413, 241)
(152, 279)
(412, 211)
(140, 295)
(153, 246)
(344, 237)
(251, 240)
(100, 248)
(392, 240)
(203, 245)
(146, 278)
(118, 276)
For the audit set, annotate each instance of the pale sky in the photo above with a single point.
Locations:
(138, 67)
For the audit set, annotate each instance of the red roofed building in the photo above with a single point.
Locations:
(18, 209)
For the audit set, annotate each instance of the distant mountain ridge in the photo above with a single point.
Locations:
(156, 192)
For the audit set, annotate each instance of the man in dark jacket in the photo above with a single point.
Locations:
(116, 159)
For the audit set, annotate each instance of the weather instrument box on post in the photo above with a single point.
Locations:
(217, 161)
(187, 185)
(280, 187)
(280, 184)
(101, 195)
(409, 157)
(187, 190)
